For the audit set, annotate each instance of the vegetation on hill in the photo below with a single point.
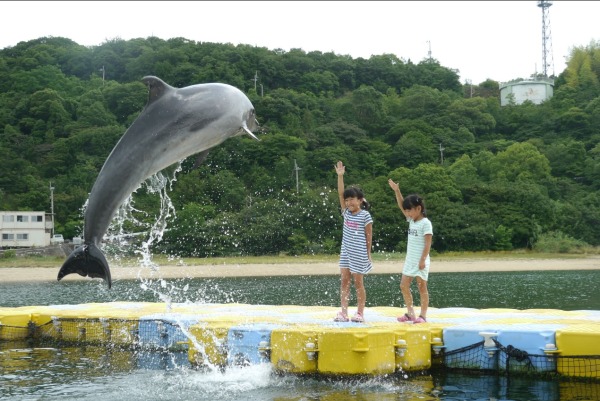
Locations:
(493, 178)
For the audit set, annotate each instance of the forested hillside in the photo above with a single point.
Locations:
(493, 178)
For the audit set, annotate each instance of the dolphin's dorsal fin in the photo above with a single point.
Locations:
(156, 86)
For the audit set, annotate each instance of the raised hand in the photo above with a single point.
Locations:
(340, 169)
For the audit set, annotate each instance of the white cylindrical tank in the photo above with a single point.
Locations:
(536, 91)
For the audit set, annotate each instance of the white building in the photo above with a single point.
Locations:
(25, 229)
(535, 90)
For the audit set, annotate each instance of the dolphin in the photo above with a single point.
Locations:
(175, 123)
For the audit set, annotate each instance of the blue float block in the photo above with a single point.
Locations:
(249, 344)
(523, 347)
(461, 351)
(165, 330)
(162, 360)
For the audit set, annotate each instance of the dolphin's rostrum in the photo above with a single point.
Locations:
(174, 124)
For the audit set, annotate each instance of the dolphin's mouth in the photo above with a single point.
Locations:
(247, 131)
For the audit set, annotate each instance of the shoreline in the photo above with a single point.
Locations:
(37, 274)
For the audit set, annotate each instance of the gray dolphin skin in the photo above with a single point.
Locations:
(175, 123)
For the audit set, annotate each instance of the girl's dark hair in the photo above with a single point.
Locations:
(413, 201)
(354, 192)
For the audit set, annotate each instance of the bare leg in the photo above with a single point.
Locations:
(407, 295)
(424, 294)
(345, 289)
(361, 294)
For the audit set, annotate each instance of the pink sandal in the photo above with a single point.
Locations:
(420, 319)
(358, 318)
(405, 318)
(341, 317)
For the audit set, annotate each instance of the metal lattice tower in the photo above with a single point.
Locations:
(547, 56)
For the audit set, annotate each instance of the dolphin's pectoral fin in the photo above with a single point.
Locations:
(200, 158)
(87, 261)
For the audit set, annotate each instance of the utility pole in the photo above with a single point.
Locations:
(470, 83)
(442, 154)
(102, 69)
(296, 169)
(255, 79)
(52, 207)
(429, 52)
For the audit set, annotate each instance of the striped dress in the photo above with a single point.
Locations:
(354, 242)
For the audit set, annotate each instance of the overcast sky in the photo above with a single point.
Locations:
(501, 40)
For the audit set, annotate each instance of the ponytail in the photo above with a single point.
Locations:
(364, 205)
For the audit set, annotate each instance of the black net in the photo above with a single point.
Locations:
(510, 360)
(14, 332)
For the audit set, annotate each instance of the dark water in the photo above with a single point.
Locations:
(565, 290)
(95, 373)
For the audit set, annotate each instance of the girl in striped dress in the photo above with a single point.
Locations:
(355, 255)
(416, 264)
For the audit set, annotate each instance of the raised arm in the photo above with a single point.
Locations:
(399, 197)
(340, 169)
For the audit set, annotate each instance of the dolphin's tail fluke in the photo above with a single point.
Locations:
(87, 260)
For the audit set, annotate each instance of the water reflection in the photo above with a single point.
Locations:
(99, 373)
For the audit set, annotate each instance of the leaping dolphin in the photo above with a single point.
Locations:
(174, 124)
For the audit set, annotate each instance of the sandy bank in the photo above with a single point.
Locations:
(24, 274)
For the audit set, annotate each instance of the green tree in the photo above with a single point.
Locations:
(567, 158)
(583, 72)
(414, 148)
(521, 162)
(464, 173)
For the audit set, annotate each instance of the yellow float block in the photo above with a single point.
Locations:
(121, 330)
(209, 343)
(294, 349)
(579, 340)
(356, 351)
(437, 336)
(82, 330)
(413, 347)
(14, 323)
(64, 322)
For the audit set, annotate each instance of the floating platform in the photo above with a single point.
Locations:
(306, 340)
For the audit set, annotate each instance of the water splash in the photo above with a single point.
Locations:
(159, 183)
(126, 229)
(122, 242)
